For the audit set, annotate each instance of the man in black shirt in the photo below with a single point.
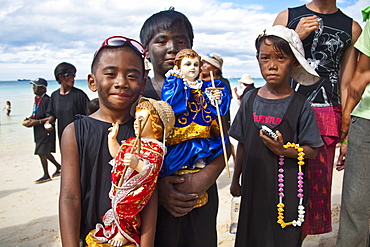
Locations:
(67, 101)
(44, 139)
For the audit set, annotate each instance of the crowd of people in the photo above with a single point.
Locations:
(149, 178)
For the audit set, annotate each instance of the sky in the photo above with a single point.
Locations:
(37, 35)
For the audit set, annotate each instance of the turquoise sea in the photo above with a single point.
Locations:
(21, 96)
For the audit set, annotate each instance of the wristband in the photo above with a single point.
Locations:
(40, 122)
(345, 142)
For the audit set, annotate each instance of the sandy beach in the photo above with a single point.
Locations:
(29, 211)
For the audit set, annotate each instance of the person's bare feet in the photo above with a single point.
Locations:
(118, 240)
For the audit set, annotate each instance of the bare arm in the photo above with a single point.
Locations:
(282, 18)
(51, 120)
(360, 80)
(70, 190)
(356, 88)
(32, 122)
(348, 64)
(113, 144)
(347, 70)
(235, 188)
(236, 93)
(149, 221)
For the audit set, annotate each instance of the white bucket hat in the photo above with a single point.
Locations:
(304, 73)
(215, 59)
(246, 79)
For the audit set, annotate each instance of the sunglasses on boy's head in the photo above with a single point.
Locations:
(117, 41)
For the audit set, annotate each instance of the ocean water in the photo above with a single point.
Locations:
(21, 96)
(234, 106)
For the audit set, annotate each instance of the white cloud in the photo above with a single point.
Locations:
(354, 11)
(37, 35)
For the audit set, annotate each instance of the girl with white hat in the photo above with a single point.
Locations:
(273, 170)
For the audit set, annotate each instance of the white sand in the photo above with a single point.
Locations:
(29, 211)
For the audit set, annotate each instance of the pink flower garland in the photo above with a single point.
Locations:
(280, 206)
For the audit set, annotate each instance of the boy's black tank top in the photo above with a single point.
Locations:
(95, 177)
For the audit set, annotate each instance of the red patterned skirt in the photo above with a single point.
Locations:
(320, 170)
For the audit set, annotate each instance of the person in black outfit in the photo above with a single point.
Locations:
(117, 74)
(67, 101)
(44, 139)
(164, 34)
(270, 216)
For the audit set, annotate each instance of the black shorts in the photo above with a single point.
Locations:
(45, 148)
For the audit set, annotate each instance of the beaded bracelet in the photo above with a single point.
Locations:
(280, 206)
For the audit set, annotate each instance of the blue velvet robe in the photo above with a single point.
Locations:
(196, 133)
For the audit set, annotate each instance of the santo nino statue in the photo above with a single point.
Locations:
(142, 156)
(196, 139)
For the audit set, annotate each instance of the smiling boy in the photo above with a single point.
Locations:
(118, 77)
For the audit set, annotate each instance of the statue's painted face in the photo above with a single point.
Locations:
(146, 130)
(190, 68)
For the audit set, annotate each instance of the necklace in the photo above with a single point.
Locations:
(280, 206)
(36, 104)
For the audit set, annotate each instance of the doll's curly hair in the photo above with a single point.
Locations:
(186, 53)
(157, 124)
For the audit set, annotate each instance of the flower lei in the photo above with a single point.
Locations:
(280, 206)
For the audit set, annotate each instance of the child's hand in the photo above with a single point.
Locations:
(275, 146)
(113, 131)
(130, 160)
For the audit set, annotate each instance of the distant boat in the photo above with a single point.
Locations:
(23, 79)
